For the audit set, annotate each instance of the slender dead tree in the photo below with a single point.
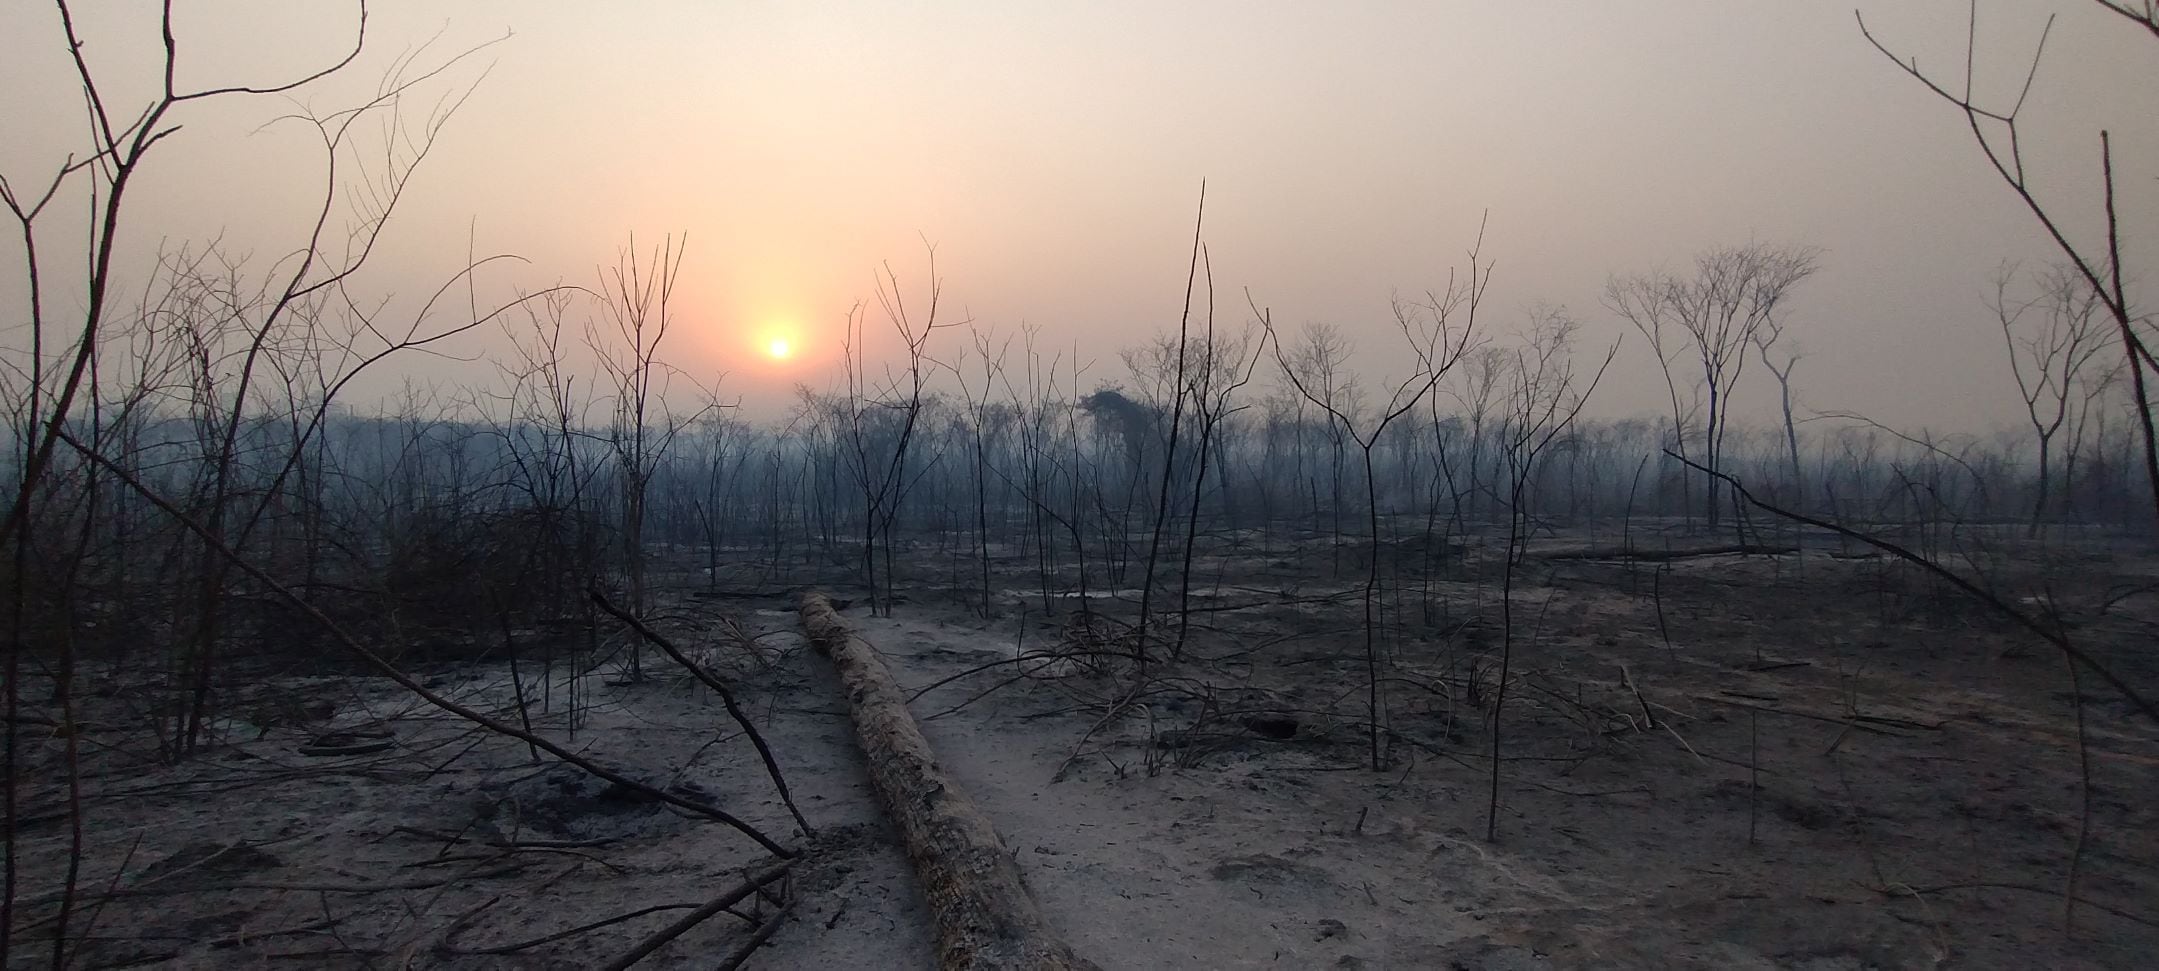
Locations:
(1542, 402)
(1717, 314)
(2051, 358)
(1176, 424)
(1225, 367)
(880, 416)
(638, 304)
(1642, 301)
(1780, 358)
(1438, 334)
(1321, 357)
(975, 393)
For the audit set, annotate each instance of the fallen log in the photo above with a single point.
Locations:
(985, 917)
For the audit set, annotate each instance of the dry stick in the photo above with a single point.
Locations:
(1667, 555)
(406, 681)
(1016, 661)
(567, 932)
(243, 937)
(303, 886)
(90, 923)
(700, 915)
(1970, 589)
(1506, 658)
(1001, 685)
(419, 941)
(741, 955)
(2026, 887)
(1176, 422)
(1114, 709)
(1627, 679)
(517, 677)
(1860, 723)
(1656, 592)
(742, 718)
(985, 917)
(2084, 805)
(1754, 771)
(978, 696)
(504, 844)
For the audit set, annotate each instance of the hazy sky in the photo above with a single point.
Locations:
(1053, 152)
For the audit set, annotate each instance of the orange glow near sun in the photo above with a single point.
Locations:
(769, 335)
(778, 340)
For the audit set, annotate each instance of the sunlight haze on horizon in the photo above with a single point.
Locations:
(1052, 154)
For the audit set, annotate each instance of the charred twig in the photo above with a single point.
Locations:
(758, 938)
(1019, 661)
(564, 934)
(1115, 709)
(317, 926)
(90, 924)
(1626, 678)
(320, 887)
(1887, 891)
(1666, 555)
(700, 915)
(979, 695)
(1860, 723)
(508, 844)
(506, 853)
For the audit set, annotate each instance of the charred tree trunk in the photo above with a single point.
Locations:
(985, 917)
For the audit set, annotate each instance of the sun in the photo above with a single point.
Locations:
(778, 340)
